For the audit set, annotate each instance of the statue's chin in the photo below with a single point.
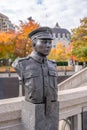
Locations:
(44, 54)
(41, 54)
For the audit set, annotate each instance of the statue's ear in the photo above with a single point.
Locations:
(34, 43)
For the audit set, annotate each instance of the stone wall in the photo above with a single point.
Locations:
(9, 87)
(10, 114)
(74, 81)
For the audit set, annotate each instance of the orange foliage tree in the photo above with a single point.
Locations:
(59, 53)
(7, 44)
(79, 41)
(23, 43)
(14, 44)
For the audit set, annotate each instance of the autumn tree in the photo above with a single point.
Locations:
(7, 44)
(79, 41)
(23, 43)
(52, 54)
(14, 44)
(59, 53)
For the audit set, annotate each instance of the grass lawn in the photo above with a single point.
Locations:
(63, 68)
(60, 68)
(6, 68)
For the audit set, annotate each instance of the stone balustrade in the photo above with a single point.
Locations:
(71, 102)
(74, 81)
(10, 114)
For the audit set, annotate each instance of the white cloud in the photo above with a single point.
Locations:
(46, 12)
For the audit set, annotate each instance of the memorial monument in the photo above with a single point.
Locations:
(39, 78)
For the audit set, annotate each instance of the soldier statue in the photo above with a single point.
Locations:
(38, 74)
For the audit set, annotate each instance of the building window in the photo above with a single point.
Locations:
(54, 35)
(63, 35)
(58, 35)
(68, 36)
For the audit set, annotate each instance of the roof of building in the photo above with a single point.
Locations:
(57, 29)
(60, 30)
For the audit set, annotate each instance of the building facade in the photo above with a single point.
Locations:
(61, 35)
(5, 23)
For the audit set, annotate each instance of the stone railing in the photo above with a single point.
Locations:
(74, 81)
(71, 102)
(72, 105)
(10, 114)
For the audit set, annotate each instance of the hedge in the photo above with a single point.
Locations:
(62, 63)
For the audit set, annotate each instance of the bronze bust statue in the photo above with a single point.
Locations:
(38, 74)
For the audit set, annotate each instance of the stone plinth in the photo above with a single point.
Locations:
(34, 117)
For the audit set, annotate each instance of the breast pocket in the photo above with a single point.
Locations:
(31, 79)
(53, 79)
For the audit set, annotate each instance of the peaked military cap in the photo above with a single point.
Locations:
(41, 33)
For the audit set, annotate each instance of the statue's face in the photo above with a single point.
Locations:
(43, 46)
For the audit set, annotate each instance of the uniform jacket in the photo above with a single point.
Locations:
(39, 77)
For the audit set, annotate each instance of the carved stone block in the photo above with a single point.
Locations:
(34, 117)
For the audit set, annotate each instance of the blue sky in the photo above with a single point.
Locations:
(46, 12)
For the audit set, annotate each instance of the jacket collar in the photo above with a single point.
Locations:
(38, 57)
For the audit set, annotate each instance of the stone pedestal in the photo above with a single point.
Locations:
(35, 118)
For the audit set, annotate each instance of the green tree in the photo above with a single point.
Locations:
(79, 41)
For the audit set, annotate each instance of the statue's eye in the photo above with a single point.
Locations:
(49, 41)
(46, 41)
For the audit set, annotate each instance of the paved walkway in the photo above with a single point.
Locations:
(62, 73)
(8, 75)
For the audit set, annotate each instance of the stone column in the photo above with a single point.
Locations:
(79, 121)
(35, 118)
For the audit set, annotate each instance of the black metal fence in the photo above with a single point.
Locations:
(9, 87)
